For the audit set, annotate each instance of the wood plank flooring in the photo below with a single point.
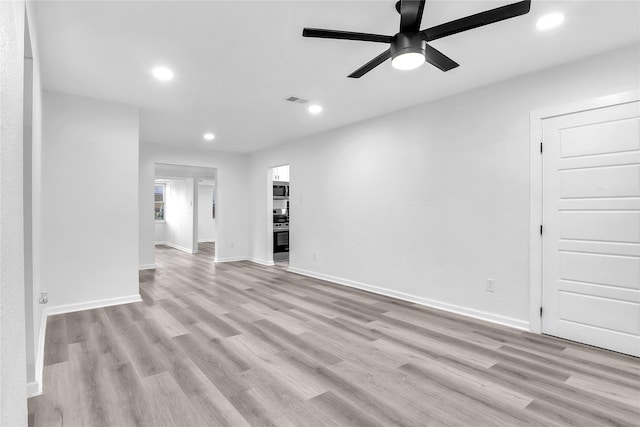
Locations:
(239, 344)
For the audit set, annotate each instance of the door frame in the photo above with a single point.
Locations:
(194, 218)
(535, 190)
(269, 216)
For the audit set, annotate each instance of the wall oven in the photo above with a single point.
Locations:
(280, 240)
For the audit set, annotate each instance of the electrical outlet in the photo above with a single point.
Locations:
(491, 285)
(232, 244)
(314, 256)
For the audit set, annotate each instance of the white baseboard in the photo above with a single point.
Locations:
(147, 267)
(161, 243)
(178, 247)
(230, 259)
(34, 388)
(465, 311)
(206, 241)
(69, 308)
(262, 262)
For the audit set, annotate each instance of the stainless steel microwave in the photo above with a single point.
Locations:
(280, 190)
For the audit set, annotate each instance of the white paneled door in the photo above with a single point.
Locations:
(591, 227)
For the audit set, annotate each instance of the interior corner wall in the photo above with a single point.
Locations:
(89, 201)
(13, 403)
(232, 205)
(427, 203)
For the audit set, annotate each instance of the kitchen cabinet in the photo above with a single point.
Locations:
(281, 173)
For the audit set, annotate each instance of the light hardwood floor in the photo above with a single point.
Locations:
(240, 344)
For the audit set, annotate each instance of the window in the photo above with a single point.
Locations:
(159, 194)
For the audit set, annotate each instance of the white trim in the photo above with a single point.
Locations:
(535, 189)
(268, 249)
(70, 308)
(180, 248)
(476, 314)
(160, 242)
(535, 220)
(262, 262)
(587, 104)
(34, 388)
(147, 267)
(230, 259)
(206, 241)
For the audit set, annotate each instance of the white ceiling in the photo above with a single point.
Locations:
(235, 61)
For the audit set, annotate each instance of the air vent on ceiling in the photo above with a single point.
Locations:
(296, 100)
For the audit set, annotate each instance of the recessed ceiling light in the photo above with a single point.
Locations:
(209, 137)
(315, 109)
(162, 73)
(550, 21)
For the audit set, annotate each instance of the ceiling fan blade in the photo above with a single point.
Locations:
(439, 59)
(371, 64)
(345, 35)
(411, 15)
(477, 20)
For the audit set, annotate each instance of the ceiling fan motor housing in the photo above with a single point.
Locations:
(403, 43)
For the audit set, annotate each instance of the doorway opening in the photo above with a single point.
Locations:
(279, 215)
(185, 200)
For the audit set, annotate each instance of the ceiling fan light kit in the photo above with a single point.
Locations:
(162, 74)
(409, 48)
(408, 61)
(408, 51)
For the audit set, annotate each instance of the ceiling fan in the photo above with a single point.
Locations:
(409, 48)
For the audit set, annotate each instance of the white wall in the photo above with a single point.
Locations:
(178, 215)
(160, 232)
(232, 205)
(206, 223)
(29, 299)
(429, 202)
(89, 200)
(37, 335)
(13, 404)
